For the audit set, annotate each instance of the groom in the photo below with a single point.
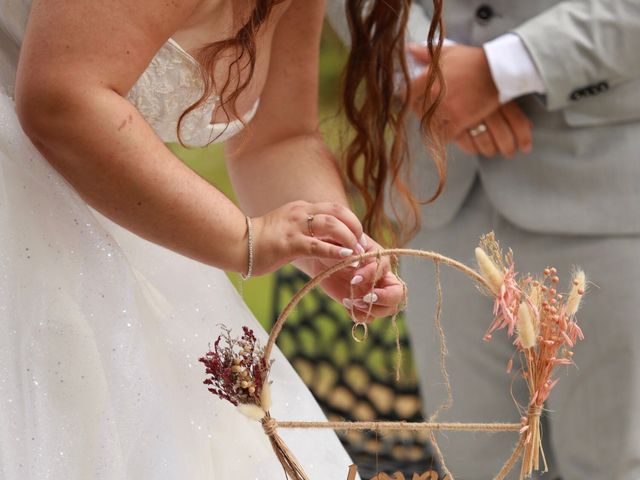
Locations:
(573, 68)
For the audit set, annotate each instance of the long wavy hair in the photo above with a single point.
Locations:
(376, 102)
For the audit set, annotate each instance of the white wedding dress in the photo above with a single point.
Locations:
(101, 331)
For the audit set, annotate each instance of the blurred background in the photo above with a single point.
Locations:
(353, 381)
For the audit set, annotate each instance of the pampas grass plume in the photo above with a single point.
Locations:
(535, 300)
(489, 270)
(251, 411)
(524, 323)
(535, 296)
(265, 397)
(577, 291)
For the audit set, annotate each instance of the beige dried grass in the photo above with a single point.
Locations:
(489, 270)
(525, 327)
(578, 286)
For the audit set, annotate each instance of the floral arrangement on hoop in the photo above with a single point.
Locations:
(547, 331)
(238, 370)
(542, 320)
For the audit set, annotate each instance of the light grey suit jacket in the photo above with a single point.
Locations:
(583, 176)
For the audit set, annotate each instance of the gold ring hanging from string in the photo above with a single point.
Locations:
(309, 226)
(365, 331)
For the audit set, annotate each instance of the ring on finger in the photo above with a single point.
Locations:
(481, 128)
(309, 226)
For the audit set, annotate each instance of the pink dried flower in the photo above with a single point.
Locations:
(506, 303)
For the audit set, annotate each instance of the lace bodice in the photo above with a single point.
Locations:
(169, 85)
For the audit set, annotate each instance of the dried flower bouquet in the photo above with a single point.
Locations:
(547, 331)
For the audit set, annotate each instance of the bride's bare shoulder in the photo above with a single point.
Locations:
(111, 41)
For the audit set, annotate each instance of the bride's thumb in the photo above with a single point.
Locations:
(420, 52)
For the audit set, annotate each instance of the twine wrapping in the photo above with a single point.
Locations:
(288, 461)
(533, 444)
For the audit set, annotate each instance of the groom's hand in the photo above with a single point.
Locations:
(471, 100)
(471, 95)
(508, 130)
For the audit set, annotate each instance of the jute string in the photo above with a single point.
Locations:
(271, 425)
(443, 347)
(443, 370)
(394, 319)
(410, 426)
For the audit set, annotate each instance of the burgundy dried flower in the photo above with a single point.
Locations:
(236, 368)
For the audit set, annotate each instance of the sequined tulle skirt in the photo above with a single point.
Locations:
(100, 335)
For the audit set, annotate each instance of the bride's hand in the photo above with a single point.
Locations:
(368, 291)
(303, 230)
(317, 236)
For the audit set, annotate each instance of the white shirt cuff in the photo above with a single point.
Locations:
(416, 67)
(512, 67)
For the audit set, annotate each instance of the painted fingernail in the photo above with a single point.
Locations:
(347, 303)
(364, 241)
(346, 252)
(359, 248)
(370, 298)
(355, 264)
(357, 279)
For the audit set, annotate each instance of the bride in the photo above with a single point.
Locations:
(112, 251)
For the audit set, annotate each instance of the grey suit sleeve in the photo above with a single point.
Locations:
(582, 47)
(418, 25)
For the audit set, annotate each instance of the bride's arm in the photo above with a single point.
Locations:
(78, 60)
(281, 156)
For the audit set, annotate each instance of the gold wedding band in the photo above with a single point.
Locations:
(309, 227)
(474, 132)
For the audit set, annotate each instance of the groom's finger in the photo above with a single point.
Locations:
(419, 52)
(484, 143)
(520, 125)
(502, 136)
(465, 143)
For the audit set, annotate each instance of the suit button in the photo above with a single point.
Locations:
(589, 91)
(592, 90)
(576, 95)
(484, 13)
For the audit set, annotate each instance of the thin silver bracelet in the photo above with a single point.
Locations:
(250, 247)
